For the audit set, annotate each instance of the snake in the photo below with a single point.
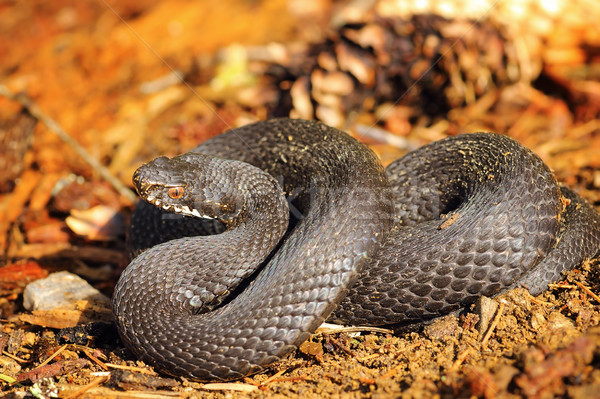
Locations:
(245, 245)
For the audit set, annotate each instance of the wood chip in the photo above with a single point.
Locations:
(230, 386)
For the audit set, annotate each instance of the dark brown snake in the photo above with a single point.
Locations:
(466, 216)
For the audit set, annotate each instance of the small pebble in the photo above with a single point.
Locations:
(60, 289)
(311, 348)
(442, 327)
(558, 321)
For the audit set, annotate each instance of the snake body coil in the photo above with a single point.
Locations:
(467, 216)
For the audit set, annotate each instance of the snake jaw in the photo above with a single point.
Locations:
(175, 208)
(154, 195)
(185, 210)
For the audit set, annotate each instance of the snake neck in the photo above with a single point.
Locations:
(255, 205)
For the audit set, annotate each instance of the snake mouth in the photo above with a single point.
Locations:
(175, 208)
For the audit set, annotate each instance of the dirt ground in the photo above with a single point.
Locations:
(109, 75)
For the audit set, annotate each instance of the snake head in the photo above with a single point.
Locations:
(190, 184)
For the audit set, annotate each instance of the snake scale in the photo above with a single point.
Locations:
(311, 227)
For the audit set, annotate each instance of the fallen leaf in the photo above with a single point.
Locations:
(100, 223)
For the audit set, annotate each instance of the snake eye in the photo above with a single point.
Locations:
(175, 192)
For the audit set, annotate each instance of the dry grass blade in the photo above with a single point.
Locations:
(274, 376)
(340, 329)
(58, 351)
(230, 386)
(130, 368)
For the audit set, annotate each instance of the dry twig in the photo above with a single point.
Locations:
(58, 351)
(588, 291)
(87, 387)
(489, 332)
(230, 386)
(37, 113)
(460, 359)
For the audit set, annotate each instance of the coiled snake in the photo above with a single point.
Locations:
(467, 216)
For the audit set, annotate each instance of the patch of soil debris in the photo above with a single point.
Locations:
(539, 347)
(89, 92)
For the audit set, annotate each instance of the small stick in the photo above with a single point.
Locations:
(232, 386)
(274, 376)
(488, 334)
(45, 362)
(544, 303)
(460, 359)
(87, 387)
(18, 359)
(538, 301)
(65, 346)
(290, 379)
(553, 285)
(588, 291)
(37, 113)
(96, 360)
(369, 357)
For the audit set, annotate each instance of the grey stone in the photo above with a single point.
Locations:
(59, 289)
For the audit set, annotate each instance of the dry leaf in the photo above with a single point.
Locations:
(100, 223)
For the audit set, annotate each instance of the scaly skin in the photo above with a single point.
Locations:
(467, 216)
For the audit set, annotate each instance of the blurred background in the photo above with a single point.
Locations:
(132, 79)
